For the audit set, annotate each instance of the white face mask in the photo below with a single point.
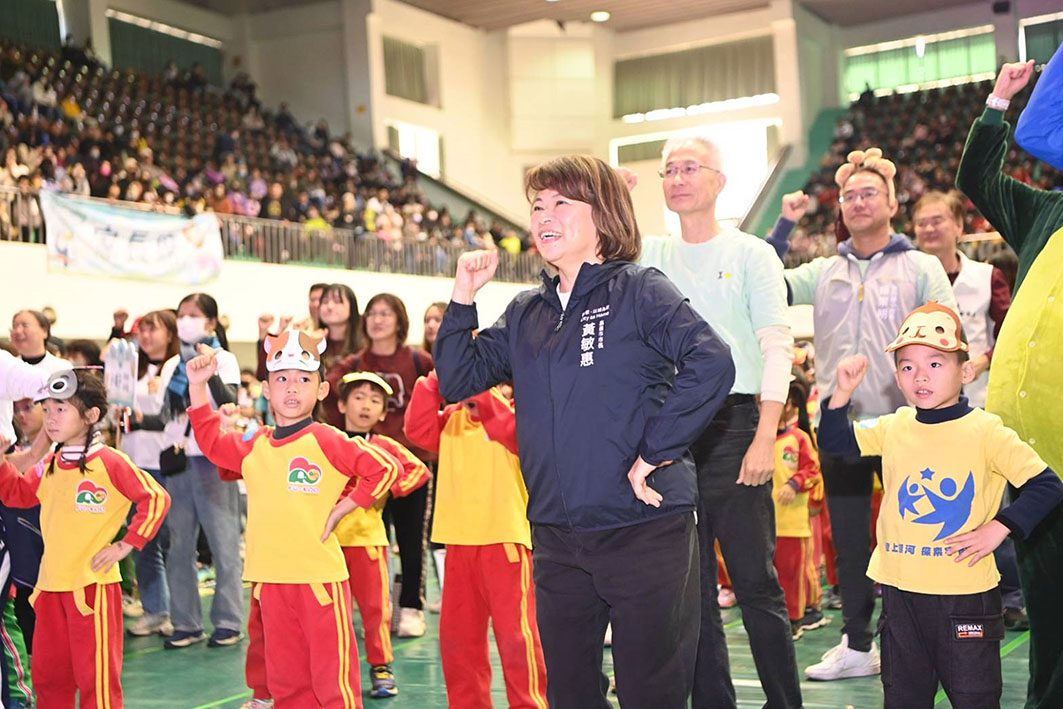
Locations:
(191, 329)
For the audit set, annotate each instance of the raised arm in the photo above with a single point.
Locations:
(1008, 204)
(1040, 127)
(468, 365)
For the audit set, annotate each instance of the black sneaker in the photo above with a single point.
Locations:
(1016, 619)
(184, 638)
(813, 619)
(224, 637)
(383, 680)
(795, 630)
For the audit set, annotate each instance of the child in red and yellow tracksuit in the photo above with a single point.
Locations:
(481, 515)
(796, 473)
(294, 474)
(363, 400)
(362, 536)
(85, 493)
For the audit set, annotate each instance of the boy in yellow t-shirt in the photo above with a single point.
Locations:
(944, 468)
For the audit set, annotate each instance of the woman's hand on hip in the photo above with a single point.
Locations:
(640, 470)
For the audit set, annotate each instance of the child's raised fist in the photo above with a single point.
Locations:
(202, 367)
(851, 371)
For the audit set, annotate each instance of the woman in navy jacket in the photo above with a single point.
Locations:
(614, 377)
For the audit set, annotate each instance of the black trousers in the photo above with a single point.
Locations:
(409, 515)
(951, 640)
(643, 579)
(742, 518)
(848, 483)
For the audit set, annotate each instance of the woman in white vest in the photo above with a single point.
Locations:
(981, 290)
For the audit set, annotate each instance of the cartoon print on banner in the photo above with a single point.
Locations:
(946, 507)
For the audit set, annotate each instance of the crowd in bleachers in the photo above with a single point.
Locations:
(925, 131)
(173, 141)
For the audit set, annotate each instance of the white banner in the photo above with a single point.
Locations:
(93, 237)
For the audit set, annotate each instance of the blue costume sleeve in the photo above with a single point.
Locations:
(1040, 128)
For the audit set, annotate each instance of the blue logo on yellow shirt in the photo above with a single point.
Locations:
(944, 506)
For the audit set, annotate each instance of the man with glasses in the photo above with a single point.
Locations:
(860, 298)
(734, 281)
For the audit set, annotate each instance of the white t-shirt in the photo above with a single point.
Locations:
(228, 370)
(143, 447)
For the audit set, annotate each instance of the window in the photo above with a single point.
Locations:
(405, 70)
(146, 45)
(921, 61)
(691, 78)
(30, 22)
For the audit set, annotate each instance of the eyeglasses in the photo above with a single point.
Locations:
(689, 169)
(854, 196)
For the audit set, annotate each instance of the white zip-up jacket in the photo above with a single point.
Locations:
(858, 307)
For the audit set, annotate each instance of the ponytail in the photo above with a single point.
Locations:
(82, 466)
(55, 454)
(219, 332)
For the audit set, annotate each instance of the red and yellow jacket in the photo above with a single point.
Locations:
(796, 465)
(480, 494)
(292, 485)
(365, 526)
(81, 513)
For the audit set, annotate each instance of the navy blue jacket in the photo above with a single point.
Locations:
(627, 369)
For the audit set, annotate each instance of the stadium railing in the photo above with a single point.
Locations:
(280, 242)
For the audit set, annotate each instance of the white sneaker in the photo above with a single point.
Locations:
(837, 648)
(149, 624)
(131, 607)
(845, 662)
(411, 623)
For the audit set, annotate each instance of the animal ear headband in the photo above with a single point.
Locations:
(870, 159)
(293, 349)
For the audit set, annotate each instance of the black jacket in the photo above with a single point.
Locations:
(627, 369)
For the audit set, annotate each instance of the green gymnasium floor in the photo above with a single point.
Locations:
(200, 677)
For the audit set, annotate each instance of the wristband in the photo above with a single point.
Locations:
(997, 103)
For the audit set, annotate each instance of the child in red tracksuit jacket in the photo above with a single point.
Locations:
(362, 400)
(481, 515)
(294, 475)
(796, 474)
(85, 493)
